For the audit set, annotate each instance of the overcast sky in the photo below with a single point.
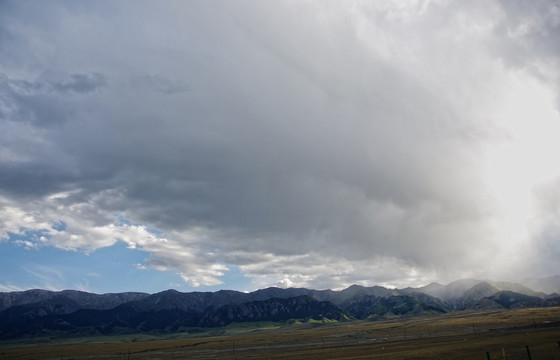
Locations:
(206, 145)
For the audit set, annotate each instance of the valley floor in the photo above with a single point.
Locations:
(508, 334)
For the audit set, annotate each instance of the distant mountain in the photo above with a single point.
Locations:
(434, 289)
(509, 300)
(374, 307)
(336, 297)
(165, 312)
(460, 293)
(450, 293)
(83, 299)
(35, 313)
(547, 285)
(275, 309)
(73, 313)
(9, 299)
(518, 288)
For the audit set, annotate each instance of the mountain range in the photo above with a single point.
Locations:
(74, 313)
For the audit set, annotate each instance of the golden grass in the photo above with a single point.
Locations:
(466, 335)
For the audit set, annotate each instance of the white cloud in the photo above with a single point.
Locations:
(9, 288)
(46, 277)
(81, 232)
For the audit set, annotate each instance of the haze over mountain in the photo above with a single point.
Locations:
(40, 313)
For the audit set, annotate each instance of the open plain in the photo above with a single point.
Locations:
(510, 334)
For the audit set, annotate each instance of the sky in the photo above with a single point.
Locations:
(205, 145)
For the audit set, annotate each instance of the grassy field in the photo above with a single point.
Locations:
(503, 334)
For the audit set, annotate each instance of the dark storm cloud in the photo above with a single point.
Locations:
(31, 111)
(278, 137)
(40, 102)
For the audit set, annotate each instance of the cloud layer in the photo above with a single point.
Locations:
(308, 143)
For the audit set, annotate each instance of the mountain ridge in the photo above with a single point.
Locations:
(64, 313)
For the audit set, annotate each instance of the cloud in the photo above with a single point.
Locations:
(80, 83)
(356, 145)
(526, 38)
(49, 278)
(10, 288)
(160, 83)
